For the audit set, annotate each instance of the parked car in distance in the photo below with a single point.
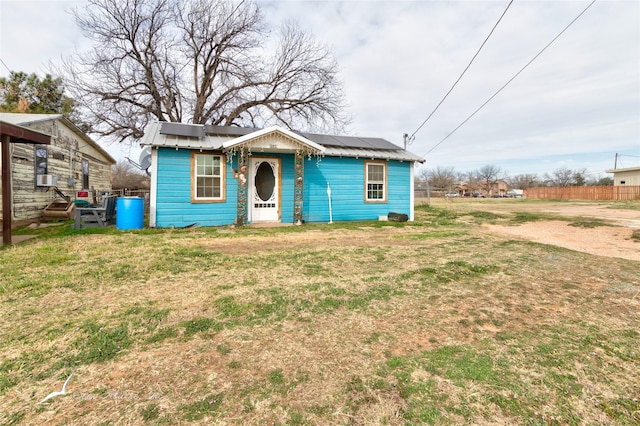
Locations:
(451, 194)
(515, 193)
(478, 195)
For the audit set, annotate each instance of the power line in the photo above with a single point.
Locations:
(5, 65)
(511, 79)
(463, 72)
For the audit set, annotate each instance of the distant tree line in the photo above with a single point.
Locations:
(126, 176)
(448, 179)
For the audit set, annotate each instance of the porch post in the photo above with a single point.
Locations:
(298, 186)
(242, 187)
(6, 190)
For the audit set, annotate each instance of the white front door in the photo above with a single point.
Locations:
(264, 189)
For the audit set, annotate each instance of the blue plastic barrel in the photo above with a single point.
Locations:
(129, 213)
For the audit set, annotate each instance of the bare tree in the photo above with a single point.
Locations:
(125, 175)
(524, 181)
(444, 178)
(560, 177)
(580, 177)
(199, 61)
(488, 176)
(473, 184)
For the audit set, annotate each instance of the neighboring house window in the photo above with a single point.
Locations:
(85, 174)
(208, 173)
(42, 161)
(375, 181)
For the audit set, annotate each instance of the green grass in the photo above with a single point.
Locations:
(524, 217)
(205, 406)
(589, 223)
(431, 322)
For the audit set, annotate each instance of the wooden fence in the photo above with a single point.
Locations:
(142, 193)
(602, 193)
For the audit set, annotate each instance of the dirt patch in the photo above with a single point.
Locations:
(609, 241)
(606, 241)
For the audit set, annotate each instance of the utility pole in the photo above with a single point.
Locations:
(615, 164)
(407, 140)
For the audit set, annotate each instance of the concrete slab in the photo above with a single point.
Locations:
(15, 239)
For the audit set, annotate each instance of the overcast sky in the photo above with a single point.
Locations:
(575, 106)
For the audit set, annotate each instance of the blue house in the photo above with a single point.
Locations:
(214, 175)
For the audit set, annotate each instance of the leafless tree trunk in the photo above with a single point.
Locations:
(125, 175)
(199, 61)
(524, 181)
(488, 176)
(444, 178)
(562, 177)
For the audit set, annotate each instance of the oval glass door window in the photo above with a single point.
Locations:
(265, 181)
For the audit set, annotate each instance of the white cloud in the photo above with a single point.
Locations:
(578, 103)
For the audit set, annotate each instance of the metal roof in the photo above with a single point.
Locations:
(26, 120)
(384, 154)
(627, 169)
(20, 134)
(228, 130)
(351, 141)
(210, 137)
(178, 129)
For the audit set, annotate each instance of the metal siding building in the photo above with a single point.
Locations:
(629, 176)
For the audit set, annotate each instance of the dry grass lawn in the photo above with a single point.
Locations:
(446, 320)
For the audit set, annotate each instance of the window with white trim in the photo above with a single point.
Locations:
(375, 181)
(208, 173)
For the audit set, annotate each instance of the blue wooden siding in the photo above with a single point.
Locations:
(346, 177)
(173, 203)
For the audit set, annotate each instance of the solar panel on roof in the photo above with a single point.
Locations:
(228, 130)
(179, 129)
(351, 141)
(199, 131)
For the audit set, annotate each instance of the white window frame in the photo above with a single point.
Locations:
(368, 181)
(40, 160)
(85, 174)
(194, 178)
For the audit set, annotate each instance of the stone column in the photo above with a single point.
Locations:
(243, 162)
(298, 187)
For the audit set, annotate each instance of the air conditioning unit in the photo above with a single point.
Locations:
(46, 180)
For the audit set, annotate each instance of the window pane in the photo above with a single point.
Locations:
(208, 165)
(208, 176)
(376, 172)
(375, 191)
(375, 181)
(217, 188)
(41, 161)
(85, 174)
